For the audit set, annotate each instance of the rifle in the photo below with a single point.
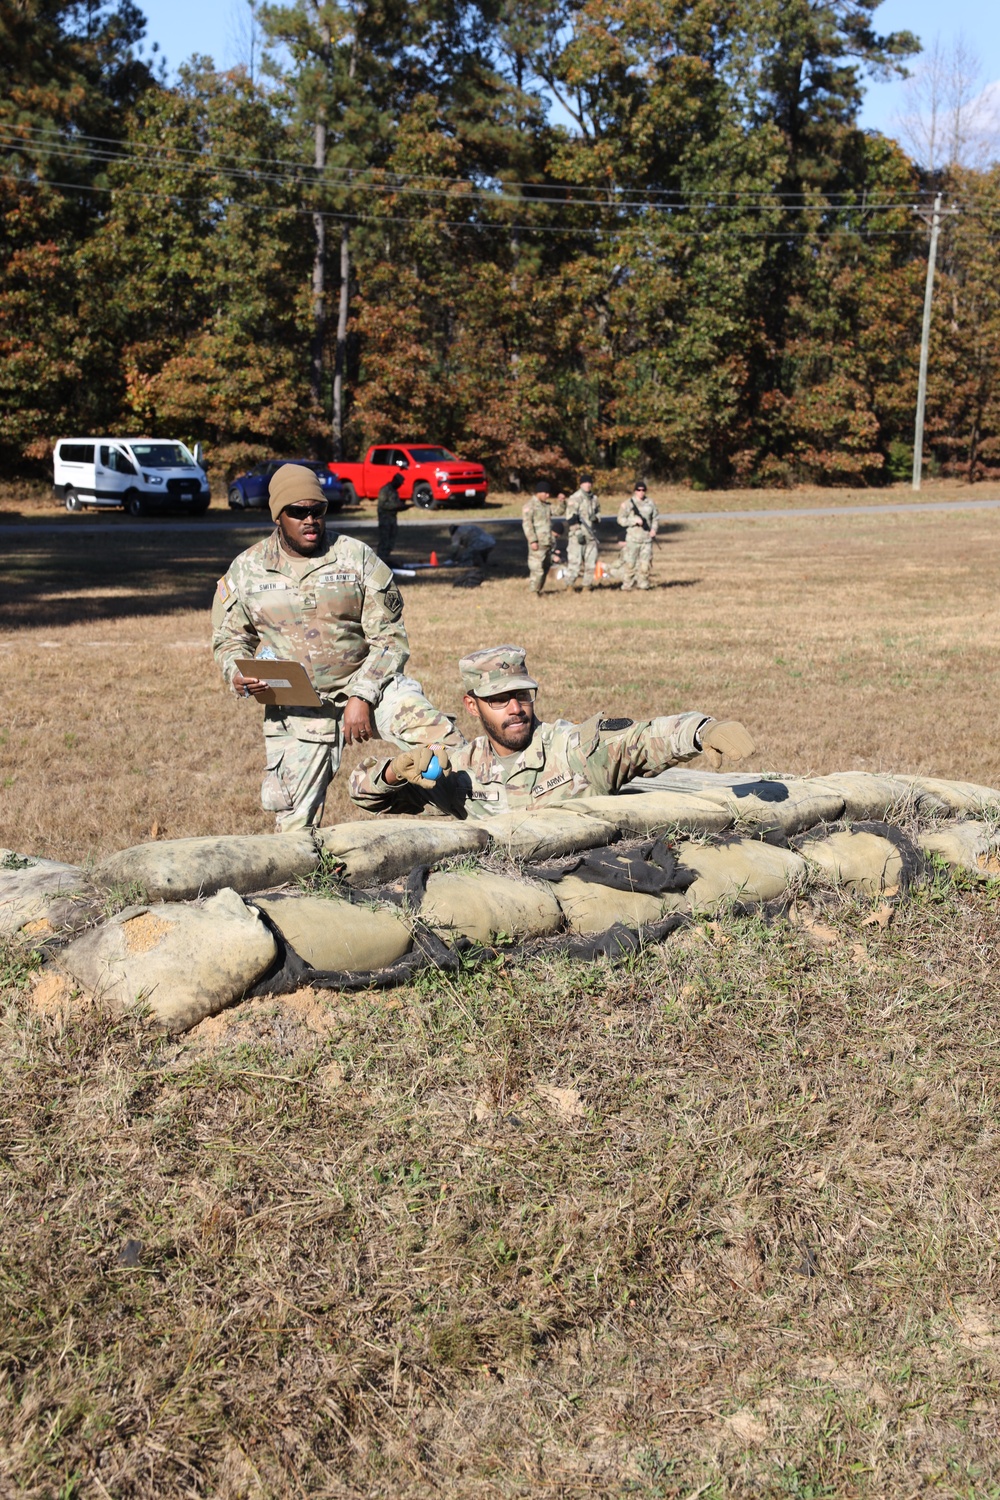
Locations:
(642, 519)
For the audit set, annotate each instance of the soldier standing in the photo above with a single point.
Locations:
(536, 523)
(517, 761)
(389, 505)
(583, 520)
(328, 602)
(638, 518)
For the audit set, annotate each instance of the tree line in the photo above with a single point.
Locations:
(624, 234)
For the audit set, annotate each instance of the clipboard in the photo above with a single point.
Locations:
(288, 681)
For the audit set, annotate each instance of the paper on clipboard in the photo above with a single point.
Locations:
(288, 681)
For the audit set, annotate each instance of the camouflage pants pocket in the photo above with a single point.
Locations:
(275, 794)
(296, 780)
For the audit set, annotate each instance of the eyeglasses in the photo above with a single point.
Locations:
(305, 512)
(500, 700)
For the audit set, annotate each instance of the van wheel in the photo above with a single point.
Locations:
(349, 493)
(135, 504)
(423, 495)
(72, 500)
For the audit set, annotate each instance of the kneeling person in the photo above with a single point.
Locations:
(518, 761)
(329, 603)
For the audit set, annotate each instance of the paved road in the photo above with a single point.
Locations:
(91, 524)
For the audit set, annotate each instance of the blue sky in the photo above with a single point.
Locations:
(219, 29)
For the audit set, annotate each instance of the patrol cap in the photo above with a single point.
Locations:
(498, 669)
(293, 484)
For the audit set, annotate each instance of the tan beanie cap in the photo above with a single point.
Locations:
(293, 484)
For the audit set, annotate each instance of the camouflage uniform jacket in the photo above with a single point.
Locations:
(634, 513)
(584, 510)
(536, 522)
(341, 618)
(562, 760)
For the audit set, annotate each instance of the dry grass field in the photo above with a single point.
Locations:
(720, 1222)
(856, 643)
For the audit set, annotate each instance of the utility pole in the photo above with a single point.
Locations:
(925, 339)
(319, 271)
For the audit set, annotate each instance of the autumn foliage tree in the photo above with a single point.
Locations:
(562, 232)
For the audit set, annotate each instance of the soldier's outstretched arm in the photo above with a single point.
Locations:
(616, 751)
(233, 634)
(382, 623)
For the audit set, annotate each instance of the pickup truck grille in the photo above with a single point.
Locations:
(471, 476)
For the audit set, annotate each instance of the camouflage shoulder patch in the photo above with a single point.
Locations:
(393, 601)
(609, 726)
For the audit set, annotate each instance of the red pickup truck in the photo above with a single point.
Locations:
(431, 476)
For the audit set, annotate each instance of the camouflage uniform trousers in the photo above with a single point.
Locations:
(582, 552)
(539, 564)
(299, 771)
(637, 559)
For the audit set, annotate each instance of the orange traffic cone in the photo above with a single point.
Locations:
(598, 571)
(434, 560)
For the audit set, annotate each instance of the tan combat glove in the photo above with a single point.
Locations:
(725, 737)
(411, 765)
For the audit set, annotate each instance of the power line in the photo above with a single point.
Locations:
(382, 180)
(482, 225)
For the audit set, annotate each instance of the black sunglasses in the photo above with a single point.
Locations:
(305, 512)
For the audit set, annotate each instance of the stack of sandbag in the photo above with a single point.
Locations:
(366, 902)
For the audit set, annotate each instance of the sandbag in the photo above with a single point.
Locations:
(548, 832)
(40, 892)
(861, 862)
(181, 869)
(589, 907)
(784, 803)
(659, 811)
(957, 796)
(742, 870)
(869, 796)
(969, 845)
(381, 849)
(186, 962)
(486, 907)
(330, 933)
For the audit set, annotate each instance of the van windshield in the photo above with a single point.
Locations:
(163, 456)
(432, 456)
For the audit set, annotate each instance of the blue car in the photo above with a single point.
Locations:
(249, 491)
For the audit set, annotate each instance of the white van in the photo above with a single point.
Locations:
(139, 474)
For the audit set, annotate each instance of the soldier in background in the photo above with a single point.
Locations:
(583, 521)
(536, 523)
(329, 603)
(519, 762)
(638, 518)
(559, 504)
(389, 505)
(471, 545)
